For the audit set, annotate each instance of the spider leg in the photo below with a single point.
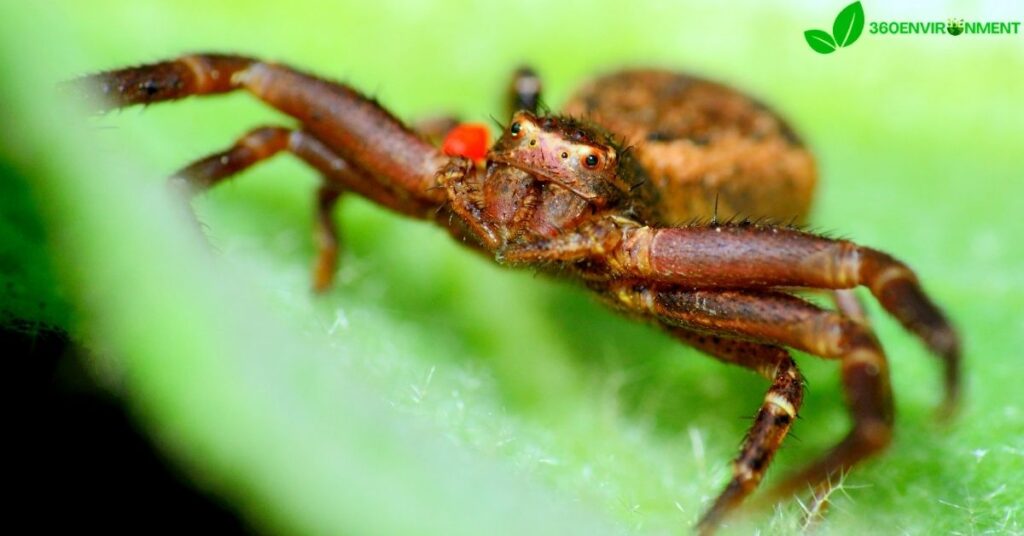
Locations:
(354, 127)
(462, 181)
(748, 256)
(338, 177)
(845, 300)
(777, 318)
(325, 234)
(849, 304)
(773, 419)
(524, 91)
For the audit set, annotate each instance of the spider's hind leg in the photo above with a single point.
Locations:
(774, 318)
(773, 419)
(785, 320)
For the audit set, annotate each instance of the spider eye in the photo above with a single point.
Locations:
(515, 129)
(591, 161)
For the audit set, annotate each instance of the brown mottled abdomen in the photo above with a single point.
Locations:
(698, 140)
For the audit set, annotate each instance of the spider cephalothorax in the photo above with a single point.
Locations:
(562, 195)
(544, 178)
(563, 151)
(578, 156)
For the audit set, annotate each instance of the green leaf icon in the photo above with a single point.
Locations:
(848, 25)
(821, 41)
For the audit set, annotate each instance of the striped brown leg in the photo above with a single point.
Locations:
(255, 146)
(865, 376)
(367, 135)
(781, 319)
(773, 420)
(265, 142)
(752, 256)
(262, 143)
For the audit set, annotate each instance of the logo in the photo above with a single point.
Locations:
(849, 24)
(955, 26)
(846, 29)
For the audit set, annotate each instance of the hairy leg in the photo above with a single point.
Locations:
(773, 419)
(753, 256)
(781, 319)
(262, 143)
(351, 125)
(746, 255)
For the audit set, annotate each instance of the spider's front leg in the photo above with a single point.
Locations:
(338, 177)
(354, 127)
(355, 144)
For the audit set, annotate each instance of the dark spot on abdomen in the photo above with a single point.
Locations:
(659, 135)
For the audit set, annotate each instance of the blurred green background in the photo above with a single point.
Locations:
(434, 393)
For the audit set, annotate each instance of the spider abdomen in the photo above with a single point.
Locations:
(702, 143)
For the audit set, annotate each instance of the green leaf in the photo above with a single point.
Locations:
(849, 24)
(820, 41)
(605, 414)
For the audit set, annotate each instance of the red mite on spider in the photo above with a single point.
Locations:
(594, 195)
